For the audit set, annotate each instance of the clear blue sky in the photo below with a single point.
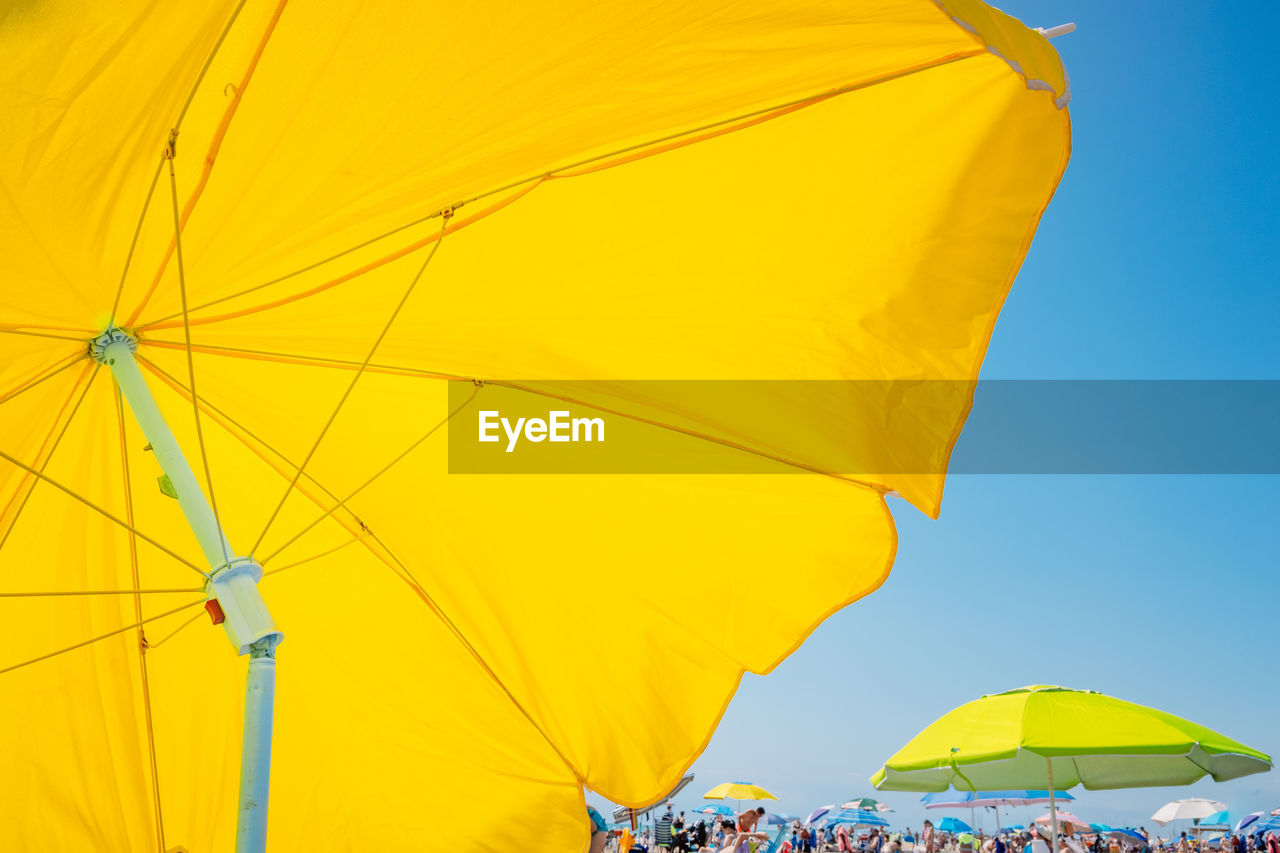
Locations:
(1157, 259)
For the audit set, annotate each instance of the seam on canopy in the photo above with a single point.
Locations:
(211, 156)
(525, 185)
(177, 125)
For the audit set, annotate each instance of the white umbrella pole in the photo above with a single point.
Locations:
(233, 583)
(1053, 811)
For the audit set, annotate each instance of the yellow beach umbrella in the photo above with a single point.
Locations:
(246, 250)
(738, 791)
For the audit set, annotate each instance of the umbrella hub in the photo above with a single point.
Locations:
(98, 346)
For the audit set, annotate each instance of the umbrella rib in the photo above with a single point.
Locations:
(191, 366)
(313, 557)
(137, 614)
(31, 334)
(57, 439)
(724, 442)
(351, 386)
(43, 377)
(404, 251)
(298, 272)
(305, 360)
(92, 640)
(376, 475)
(104, 513)
(174, 632)
(629, 153)
(231, 425)
(435, 608)
(155, 179)
(392, 369)
(74, 592)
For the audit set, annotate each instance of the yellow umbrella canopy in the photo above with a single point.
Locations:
(737, 790)
(312, 216)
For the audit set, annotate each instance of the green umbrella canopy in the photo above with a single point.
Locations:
(1045, 736)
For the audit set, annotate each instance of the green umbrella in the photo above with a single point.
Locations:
(1054, 737)
(866, 804)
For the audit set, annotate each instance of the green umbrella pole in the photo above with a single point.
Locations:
(232, 584)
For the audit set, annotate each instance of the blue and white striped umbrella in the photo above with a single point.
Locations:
(855, 817)
(982, 799)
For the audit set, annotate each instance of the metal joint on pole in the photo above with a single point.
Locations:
(232, 583)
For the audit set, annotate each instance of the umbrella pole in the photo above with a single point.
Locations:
(1053, 811)
(232, 585)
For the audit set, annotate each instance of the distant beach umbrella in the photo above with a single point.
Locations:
(1191, 809)
(819, 813)
(855, 817)
(1044, 736)
(716, 809)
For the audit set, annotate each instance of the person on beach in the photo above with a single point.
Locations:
(929, 841)
(599, 831)
(747, 820)
(662, 830)
(741, 842)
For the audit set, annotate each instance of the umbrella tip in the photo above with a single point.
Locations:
(1053, 32)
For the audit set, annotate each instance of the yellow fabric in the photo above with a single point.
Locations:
(786, 190)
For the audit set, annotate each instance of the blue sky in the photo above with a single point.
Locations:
(1157, 259)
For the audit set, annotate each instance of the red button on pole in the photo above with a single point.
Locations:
(215, 611)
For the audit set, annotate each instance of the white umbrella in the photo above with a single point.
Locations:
(1192, 809)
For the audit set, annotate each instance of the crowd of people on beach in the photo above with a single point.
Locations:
(673, 833)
